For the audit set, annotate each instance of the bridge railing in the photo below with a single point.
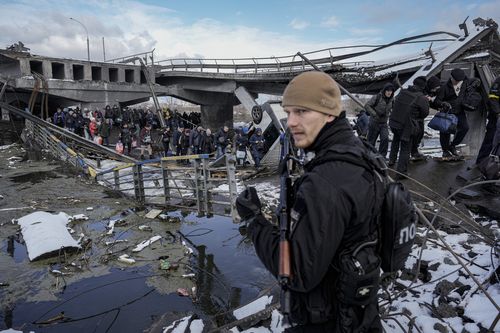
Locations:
(343, 57)
(193, 185)
(325, 58)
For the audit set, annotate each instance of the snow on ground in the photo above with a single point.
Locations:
(444, 299)
(5, 147)
(450, 290)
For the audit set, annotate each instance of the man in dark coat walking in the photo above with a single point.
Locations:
(331, 211)
(409, 106)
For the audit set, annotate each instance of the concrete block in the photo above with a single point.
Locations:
(87, 72)
(25, 66)
(121, 74)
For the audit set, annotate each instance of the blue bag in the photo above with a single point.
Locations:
(444, 122)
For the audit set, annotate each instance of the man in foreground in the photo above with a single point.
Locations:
(331, 215)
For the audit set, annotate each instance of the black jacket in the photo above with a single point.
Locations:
(410, 104)
(447, 94)
(332, 208)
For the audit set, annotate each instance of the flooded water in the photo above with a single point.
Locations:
(99, 294)
(228, 274)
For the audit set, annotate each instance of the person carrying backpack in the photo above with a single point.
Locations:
(379, 107)
(361, 123)
(409, 106)
(333, 228)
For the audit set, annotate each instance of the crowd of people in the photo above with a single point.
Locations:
(140, 128)
(404, 115)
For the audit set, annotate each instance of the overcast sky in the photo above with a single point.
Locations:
(224, 29)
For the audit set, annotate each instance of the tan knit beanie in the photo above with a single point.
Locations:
(315, 91)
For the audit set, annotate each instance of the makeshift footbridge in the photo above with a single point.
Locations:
(196, 184)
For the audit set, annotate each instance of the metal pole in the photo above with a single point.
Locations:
(103, 50)
(87, 33)
(344, 90)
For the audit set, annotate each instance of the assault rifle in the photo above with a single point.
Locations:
(285, 266)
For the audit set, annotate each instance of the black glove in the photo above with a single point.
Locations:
(445, 107)
(248, 204)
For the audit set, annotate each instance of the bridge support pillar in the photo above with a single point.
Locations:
(216, 116)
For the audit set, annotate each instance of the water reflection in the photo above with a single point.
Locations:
(7, 317)
(228, 275)
(16, 248)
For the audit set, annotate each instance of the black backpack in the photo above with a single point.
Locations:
(396, 217)
(400, 116)
(472, 98)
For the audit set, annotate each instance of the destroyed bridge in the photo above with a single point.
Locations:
(219, 84)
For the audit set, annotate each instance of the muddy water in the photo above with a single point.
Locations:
(98, 293)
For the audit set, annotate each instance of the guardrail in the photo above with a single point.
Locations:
(254, 65)
(195, 185)
(55, 147)
(324, 59)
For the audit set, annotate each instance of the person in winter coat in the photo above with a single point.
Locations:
(332, 213)
(93, 128)
(241, 141)
(146, 140)
(453, 93)
(115, 111)
(361, 126)
(79, 123)
(379, 107)
(431, 89)
(257, 146)
(410, 105)
(177, 140)
(105, 131)
(207, 144)
(59, 118)
(492, 136)
(184, 144)
(166, 137)
(126, 137)
(126, 116)
(195, 140)
(98, 116)
(70, 121)
(222, 140)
